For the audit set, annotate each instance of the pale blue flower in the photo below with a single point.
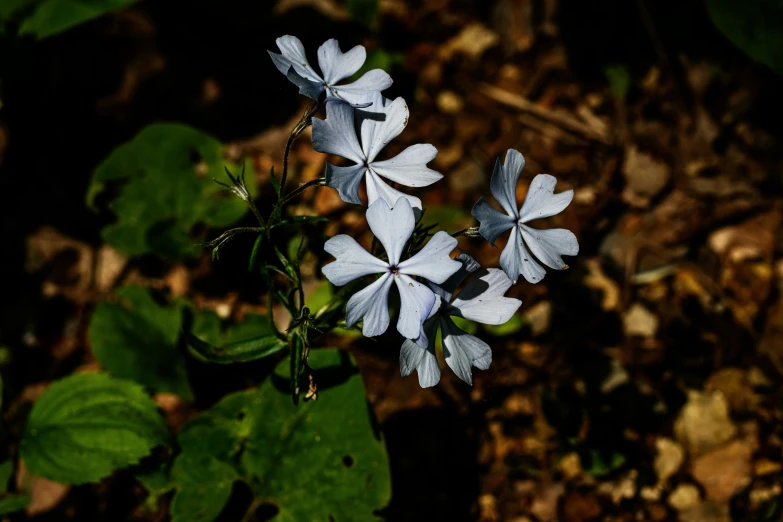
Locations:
(481, 301)
(392, 227)
(337, 135)
(335, 66)
(546, 245)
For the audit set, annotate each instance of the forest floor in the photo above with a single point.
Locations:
(644, 383)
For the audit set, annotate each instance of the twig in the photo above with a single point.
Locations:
(523, 104)
(305, 122)
(317, 182)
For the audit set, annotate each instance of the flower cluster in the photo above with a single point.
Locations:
(359, 123)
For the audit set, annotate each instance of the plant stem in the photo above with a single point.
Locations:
(228, 234)
(307, 119)
(317, 182)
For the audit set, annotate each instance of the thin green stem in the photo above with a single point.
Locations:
(304, 122)
(317, 182)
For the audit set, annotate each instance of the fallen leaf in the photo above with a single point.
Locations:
(668, 459)
(724, 472)
(684, 497)
(704, 423)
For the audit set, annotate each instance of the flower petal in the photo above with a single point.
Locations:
(372, 304)
(336, 65)
(493, 223)
(352, 261)
(433, 262)
(336, 134)
(448, 287)
(378, 189)
(515, 260)
(541, 201)
(360, 93)
(293, 55)
(422, 358)
(504, 181)
(392, 226)
(306, 87)
(416, 301)
(462, 351)
(346, 180)
(549, 245)
(482, 300)
(376, 134)
(409, 167)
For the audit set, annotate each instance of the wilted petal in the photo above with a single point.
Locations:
(462, 351)
(352, 261)
(360, 92)
(541, 201)
(504, 181)
(448, 287)
(376, 134)
(336, 135)
(409, 167)
(549, 245)
(372, 304)
(293, 55)
(336, 65)
(392, 226)
(433, 262)
(346, 180)
(416, 301)
(422, 358)
(377, 189)
(493, 223)
(482, 300)
(515, 260)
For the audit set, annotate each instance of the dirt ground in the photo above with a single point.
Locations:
(644, 383)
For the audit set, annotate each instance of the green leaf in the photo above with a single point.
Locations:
(318, 460)
(598, 463)
(138, 339)
(6, 470)
(297, 220)
(204, 486)
(274, 180)
(45, 18)
(755, 27)
(447, 217)
(619, 80)
(380, 59)
(166, 189)
(87, 425)
(241, 351)
(251, 339)
(251, 265)
(364, 11)
(512, 326)
(13, 503)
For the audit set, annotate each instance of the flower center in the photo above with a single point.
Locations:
(395, 270)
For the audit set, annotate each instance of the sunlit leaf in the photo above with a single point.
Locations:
(87, 425)
(164, 175)
(320, 460)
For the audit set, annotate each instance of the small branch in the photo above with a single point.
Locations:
(228, 234)
(307, 119)
(317, 182)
